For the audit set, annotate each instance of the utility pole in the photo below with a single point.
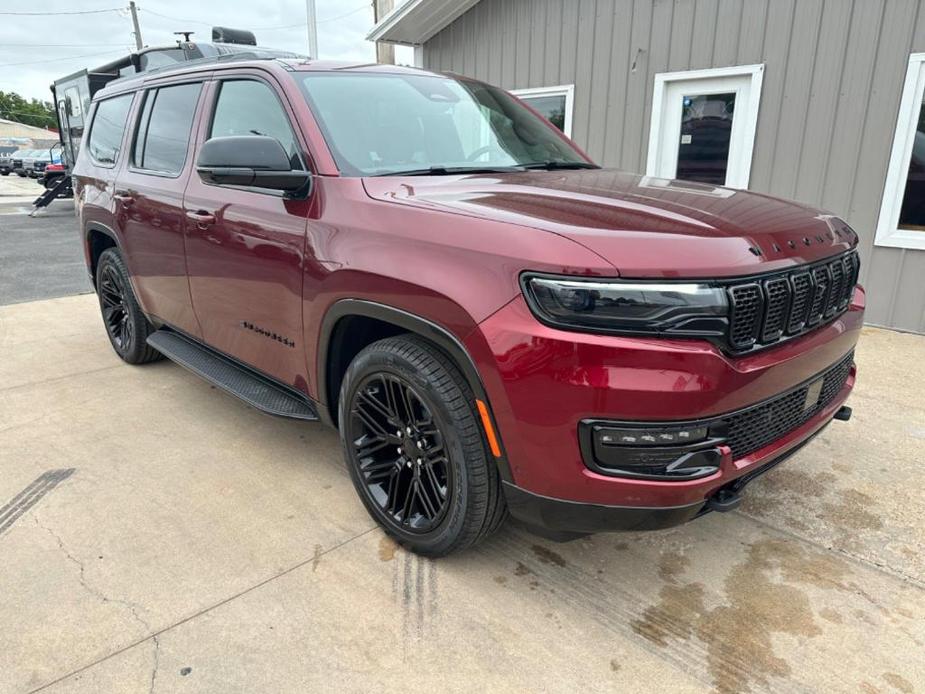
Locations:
(385, 52)
(312, 29)
(134, 10)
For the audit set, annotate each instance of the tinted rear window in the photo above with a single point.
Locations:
(108, 128)
(164, 128)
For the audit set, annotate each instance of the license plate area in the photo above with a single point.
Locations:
(813, 391)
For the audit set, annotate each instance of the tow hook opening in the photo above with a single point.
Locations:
(724, 500)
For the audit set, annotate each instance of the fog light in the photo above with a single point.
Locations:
(666, 436)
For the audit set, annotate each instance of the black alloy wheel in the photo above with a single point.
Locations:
(415, 448)
(126, 324)
(112, 303)
(401, 454)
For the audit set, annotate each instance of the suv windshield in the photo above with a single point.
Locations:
(389, 124)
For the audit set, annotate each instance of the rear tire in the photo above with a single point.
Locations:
(415, 450)
(125, 322)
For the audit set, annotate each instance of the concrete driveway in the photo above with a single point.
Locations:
(40, 257)
(158, 535)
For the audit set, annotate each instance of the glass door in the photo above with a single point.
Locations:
(703, 127)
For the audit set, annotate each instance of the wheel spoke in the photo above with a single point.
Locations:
(377, 406)
(389, 389)
(368, 420)
(407, 505)
(127, 330)
(429, 509)
(408, 404)
(438, 488)
(379, 469)
(369, 444)
(391, 492)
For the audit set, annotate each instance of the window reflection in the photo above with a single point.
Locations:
(706, 130)
(912, 213)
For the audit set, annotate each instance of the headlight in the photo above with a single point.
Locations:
(634, 308)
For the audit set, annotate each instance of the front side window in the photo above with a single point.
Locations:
(383, 124)
(164, 128)
(249, 107)
(108, 127)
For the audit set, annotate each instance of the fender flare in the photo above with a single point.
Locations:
(411, 323)
(97, 227)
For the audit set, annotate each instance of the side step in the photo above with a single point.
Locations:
(256, 390)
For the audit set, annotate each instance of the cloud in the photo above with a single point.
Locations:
(88, 40)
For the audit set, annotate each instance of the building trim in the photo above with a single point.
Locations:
(415, 21)
(888, 231)
(750, 122)
(566, 90)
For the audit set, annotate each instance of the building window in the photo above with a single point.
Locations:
(703, 125)
(902, 211)
(553, 103)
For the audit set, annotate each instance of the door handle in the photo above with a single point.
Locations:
(201, 217)
(124, 197)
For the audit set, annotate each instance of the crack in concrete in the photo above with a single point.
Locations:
(157, 662)
(99, 594)
(201, 612)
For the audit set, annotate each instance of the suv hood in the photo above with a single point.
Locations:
(643, 226)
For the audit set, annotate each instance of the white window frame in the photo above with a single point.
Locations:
(566, 90)
(888, 231)
(747, 110)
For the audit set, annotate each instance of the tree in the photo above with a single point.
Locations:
(13, 107)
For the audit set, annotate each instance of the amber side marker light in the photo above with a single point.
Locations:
(489, 429)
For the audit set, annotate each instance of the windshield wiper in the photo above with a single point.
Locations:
(451, 170)
(560, 164)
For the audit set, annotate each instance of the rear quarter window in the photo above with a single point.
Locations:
(108, 129)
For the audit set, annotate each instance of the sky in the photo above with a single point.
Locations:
(37, 49)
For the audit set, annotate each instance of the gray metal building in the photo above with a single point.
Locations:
(814, 100)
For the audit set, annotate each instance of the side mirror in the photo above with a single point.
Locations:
(257, 161)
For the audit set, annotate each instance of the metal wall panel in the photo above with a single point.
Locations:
(833, 78)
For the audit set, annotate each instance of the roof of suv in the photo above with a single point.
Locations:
(240, 60)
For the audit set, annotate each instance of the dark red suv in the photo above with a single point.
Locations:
(494, 323)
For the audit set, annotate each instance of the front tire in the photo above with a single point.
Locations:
(415, 450)
(126, 324)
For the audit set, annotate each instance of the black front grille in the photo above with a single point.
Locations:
(767, 310)
(754, 428)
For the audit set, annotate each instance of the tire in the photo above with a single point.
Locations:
(454, 471)
(4, 173)
(125, 323)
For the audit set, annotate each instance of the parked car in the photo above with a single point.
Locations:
(6, 164)
(18, 162)
(493, 323)
(35, 164)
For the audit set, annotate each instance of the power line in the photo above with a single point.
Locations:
(57, 45)
(51, 14)
(346, 14)
(270, 28)
(54, 60)
(27, 114)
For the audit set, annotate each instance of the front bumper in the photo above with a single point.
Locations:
(560, 519)
(543, 383)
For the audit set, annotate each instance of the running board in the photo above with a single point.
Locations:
(257, 391)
